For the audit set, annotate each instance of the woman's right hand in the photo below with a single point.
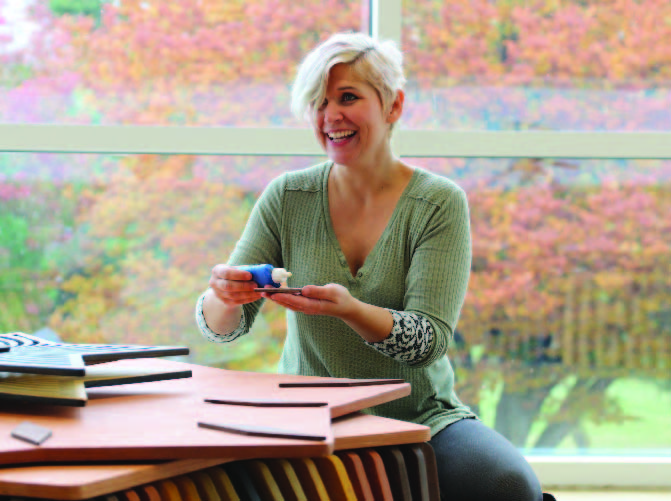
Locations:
(233, 286)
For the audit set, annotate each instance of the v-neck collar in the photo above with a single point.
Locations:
(334, 239)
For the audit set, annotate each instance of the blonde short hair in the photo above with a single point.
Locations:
(378, 63)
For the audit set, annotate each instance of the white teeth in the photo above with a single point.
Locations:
(341, 134)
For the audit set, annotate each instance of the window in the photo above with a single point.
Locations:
(567, 175)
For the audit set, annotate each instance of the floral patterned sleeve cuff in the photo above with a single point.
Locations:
(209, 333)
(410, 338)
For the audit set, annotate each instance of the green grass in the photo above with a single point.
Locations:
(643, 399)
(649, 404)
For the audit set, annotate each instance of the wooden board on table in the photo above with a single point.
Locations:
(356, 431)
(159, 420)
(342, 395)
(83, 481)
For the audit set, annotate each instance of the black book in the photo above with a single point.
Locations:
(34, 355)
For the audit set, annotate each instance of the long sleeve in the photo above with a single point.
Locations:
(410, 338)
(259, 244)
(209, 334)
(437, 279)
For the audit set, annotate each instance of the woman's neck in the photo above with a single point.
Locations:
(368, 181)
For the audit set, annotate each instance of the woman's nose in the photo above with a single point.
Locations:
(332, 112)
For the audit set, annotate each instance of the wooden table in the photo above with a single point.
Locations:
(83, 481)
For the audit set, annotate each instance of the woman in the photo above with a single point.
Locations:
(386, 249)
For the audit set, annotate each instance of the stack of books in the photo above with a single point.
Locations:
(33, 369)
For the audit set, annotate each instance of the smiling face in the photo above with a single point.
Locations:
(350, 124)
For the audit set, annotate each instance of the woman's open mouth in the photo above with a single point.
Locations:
(340, 137)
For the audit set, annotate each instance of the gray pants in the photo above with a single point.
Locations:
(476, 463)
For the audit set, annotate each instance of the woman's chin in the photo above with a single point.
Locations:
(341, 157)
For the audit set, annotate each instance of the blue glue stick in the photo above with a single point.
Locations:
(265, 274)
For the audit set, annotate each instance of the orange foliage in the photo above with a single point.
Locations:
(621, 41)
(153, 234)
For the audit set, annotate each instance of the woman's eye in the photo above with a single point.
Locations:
(348, 96)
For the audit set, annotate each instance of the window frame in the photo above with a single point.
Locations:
(385, 22)
(276, 141)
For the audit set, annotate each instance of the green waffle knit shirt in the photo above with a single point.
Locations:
(421, 264)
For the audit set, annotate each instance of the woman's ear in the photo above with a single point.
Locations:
(396, 107)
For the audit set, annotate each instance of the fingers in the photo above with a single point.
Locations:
(226, 272)
(294, 303)
(328, 292)
(233, 286)
(314, 300)
(233, 295)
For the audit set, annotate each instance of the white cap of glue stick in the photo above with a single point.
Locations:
(280, 275)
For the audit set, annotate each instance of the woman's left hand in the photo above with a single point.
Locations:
(332, 299)
(372, 323)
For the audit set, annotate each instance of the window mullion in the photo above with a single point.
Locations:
(385, 20)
